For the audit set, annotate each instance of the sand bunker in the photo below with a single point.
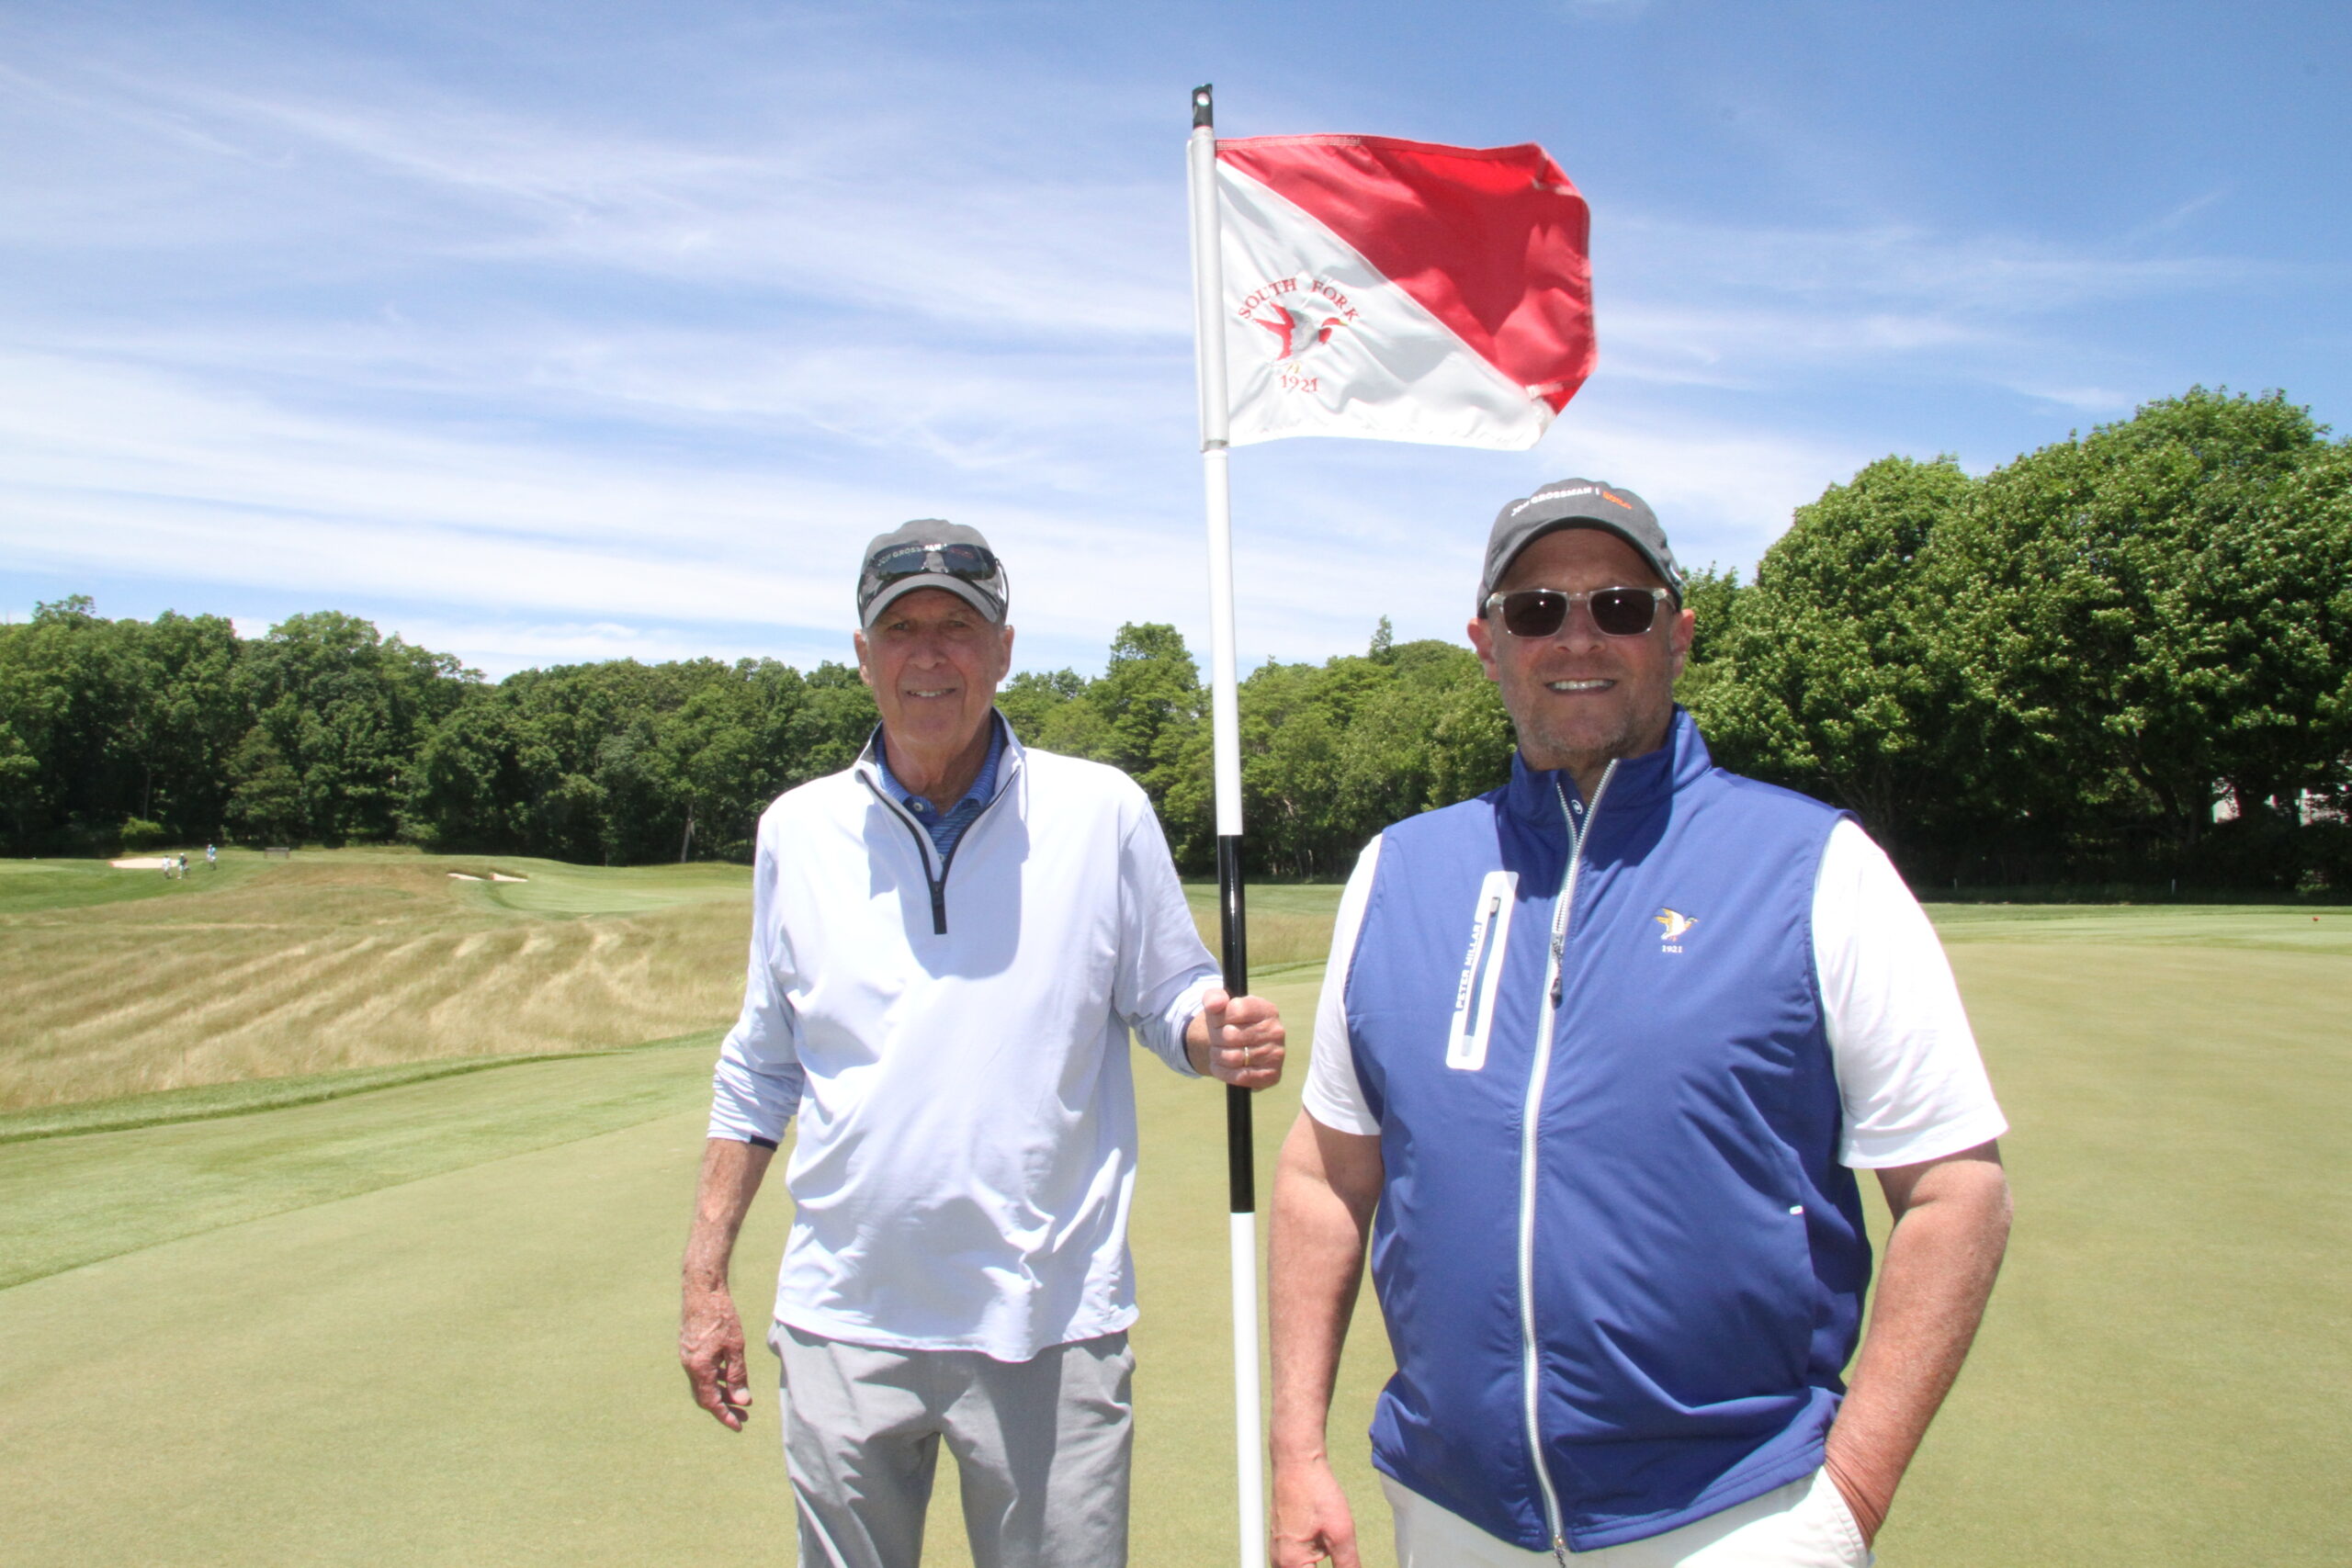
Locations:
(141, 862)
(463, 876)
(501, 877)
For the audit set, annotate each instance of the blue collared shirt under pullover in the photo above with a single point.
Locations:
(946, 826)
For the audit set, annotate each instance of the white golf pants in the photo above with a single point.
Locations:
(1803, 1524)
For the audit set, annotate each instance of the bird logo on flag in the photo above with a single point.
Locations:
(1675, 922)
(1296, 332)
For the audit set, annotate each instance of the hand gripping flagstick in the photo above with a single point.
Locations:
(1208, 327)
(1390, 290)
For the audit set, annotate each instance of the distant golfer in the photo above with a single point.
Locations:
(1596, 1057)
(950, 942)
(212, 855)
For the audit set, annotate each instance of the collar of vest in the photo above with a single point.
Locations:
(1534, 793)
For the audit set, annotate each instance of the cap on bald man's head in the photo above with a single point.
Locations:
(1578, 503)
(931, 552)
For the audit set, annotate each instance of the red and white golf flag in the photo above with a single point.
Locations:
(1400, 290)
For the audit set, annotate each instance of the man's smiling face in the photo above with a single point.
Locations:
(1581, 697)
(934, 662)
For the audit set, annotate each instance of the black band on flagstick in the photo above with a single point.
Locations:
(1240, 1145)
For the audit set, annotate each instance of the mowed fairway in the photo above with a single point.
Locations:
(432, 1322)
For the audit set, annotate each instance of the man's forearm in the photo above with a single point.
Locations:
(1317, 1267)
(732, 1173)
(1951, 1224)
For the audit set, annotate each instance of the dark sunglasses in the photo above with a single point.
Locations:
(1542, 612)
(973, 563)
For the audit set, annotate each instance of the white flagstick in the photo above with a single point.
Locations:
(1225, 718)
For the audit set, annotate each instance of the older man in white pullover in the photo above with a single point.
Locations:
(950, 944)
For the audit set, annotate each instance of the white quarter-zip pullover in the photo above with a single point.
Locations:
(953, 1037)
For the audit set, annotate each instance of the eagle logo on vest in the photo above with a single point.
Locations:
(1676, 922)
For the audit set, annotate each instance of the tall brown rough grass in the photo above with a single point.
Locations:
(347, 960)
(365, 958)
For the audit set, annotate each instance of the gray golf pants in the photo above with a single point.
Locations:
(1041, 1448)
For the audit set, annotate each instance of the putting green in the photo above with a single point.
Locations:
(432, 1324)
(2162, 1376)
(554, 888)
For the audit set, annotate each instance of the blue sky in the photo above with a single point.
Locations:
(547, 332)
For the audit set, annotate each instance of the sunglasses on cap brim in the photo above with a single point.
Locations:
(1542, 612)
(974, 563)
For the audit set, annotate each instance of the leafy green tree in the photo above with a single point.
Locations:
(103, 720)
(644, 806)
(66, 688)
(2155, 610)
(268, 803)
(20, 778)
(1435, 734)
(464, 790)
(345, 709)
(185, 720)
(731, 749)
(1031, 698)
(841, 716)
(1828, 675)
(1150, 697)
(2298, 734)
(1292, 733)
(1712, 597)
(1333, 753)
(1076, 729)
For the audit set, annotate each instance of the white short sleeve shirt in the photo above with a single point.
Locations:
(1908, 1071)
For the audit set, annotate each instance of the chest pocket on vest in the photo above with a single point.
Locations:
(1482, 971)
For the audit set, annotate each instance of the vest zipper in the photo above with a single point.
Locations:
(1482, 967)
(1529, 1368)
(1473, 1013)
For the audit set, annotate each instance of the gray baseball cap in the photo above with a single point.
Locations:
(1578, 503)
(931, 552)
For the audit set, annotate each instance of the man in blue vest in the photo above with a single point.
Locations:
(1598, 1055)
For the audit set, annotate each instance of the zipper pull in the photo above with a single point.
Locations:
(1560, 1550)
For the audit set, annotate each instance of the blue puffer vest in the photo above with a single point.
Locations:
(1614, 1234)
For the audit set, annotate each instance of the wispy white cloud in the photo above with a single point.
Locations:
(916, 223)
(1733, 307)
(124, 469)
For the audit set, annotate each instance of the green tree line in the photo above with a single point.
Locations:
(2054, 673)
(2125, 658)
